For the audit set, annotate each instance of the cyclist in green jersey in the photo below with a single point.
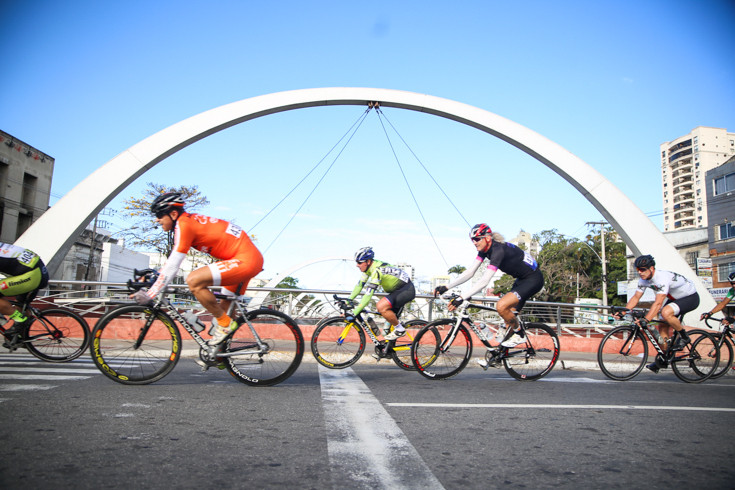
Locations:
(393, 280)
(25, 274)
(728, 320)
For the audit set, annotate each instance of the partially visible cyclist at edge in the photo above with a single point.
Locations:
(25, 273)
(728, 320)
(393, 280)
(507, 258)
(239, 259)
(675, 295)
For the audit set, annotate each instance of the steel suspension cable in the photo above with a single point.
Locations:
(356, 126)
(357, 122)
(380, 112)
(405, 179)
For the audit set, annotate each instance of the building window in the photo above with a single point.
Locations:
(727, 231)
(725, 184)
(724, 270)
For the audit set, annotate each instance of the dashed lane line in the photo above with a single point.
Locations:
(366, 447)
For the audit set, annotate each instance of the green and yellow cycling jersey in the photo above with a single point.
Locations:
(379, 274)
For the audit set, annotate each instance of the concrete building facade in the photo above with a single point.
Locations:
(720, 184)
(25, 186)
(684, 162)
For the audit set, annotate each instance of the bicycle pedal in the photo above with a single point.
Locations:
(204, 365)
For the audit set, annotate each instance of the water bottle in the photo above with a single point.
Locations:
(657, 335)
(484, 329)
(194, 321)
(373, 326)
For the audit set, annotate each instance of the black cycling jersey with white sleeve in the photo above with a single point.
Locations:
(510, 259)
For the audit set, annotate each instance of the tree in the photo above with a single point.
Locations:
(456, 269)
(144, 232)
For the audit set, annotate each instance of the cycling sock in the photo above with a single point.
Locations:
(224, 321)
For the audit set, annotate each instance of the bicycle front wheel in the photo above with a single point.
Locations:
(134, 345)
(440, 351)
(337, 344)
(57, 335)
(622, 353)
(699, 359)
(402, 349)
(726, 352)
(535, 358)
(266, 350)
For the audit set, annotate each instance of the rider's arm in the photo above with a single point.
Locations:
(632, 302)
(655, 307)
(720, 305)
(168, 272)
(357, 289)
(467, 274)
(484, 281)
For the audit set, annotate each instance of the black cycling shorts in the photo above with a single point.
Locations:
(401, 297)
(524, 288)
(684, 305)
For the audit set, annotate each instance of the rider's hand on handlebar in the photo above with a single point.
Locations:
(349, 317)
(142, 298)
(619, 314)
(439, 290)
(705, 315)
(455, 303)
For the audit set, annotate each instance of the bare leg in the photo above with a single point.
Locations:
(506, 306)
(198, 282)
(384, 308)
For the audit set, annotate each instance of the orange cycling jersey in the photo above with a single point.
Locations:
(240, 260)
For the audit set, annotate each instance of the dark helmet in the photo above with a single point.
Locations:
(165, 203)
(731, 277)
(480, 230)
(644, 262)
(365, 253)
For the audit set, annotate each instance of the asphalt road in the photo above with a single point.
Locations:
(372, 426)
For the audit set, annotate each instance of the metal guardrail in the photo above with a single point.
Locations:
(311, 305)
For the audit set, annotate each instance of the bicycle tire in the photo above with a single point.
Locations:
(698, 361)
(285, 349)
(535, 358)
(726, 355)
(622, 353)
(401, 354)
(57, 335)
(114, 349)
(337, 345)
(435, 360)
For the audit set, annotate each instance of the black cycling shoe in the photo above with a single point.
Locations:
(680, 343)
(653, 367)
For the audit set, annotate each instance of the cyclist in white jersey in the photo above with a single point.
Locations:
(675, 295)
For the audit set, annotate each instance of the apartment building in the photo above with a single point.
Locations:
(684, 162)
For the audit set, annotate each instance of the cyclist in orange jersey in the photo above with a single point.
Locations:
(239, 259)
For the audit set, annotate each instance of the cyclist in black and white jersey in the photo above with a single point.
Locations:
(675, 295)
(507, 258)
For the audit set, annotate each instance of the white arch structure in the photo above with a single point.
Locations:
(54, 231)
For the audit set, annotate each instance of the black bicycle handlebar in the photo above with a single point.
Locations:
(148, 276)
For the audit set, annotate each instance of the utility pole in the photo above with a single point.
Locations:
(602, 259)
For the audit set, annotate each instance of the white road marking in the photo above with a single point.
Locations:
(26, 387)
(80, 370)
(562, 407)
(49, 377)
(366, 447)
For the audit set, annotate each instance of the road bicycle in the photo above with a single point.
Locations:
(443, 348)
(337, 343)
(623, 351)
(725, 342)
(53, 334)
(136, 345)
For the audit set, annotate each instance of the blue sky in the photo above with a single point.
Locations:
(609, 81)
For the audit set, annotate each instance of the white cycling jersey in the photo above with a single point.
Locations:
(673, 285)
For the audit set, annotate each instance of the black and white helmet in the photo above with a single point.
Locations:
(165, 203)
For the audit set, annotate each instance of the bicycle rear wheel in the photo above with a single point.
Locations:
(622, 353)
(699, 359)
(726, 353)
(337, 344)
(57, 335)
(267, 356)
(536, 357)
(439, 351)
(134, 345)
(402, 349)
